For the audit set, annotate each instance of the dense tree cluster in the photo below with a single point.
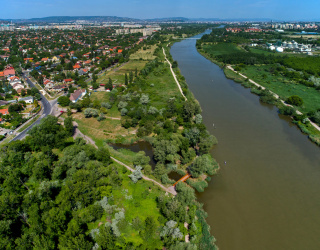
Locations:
(53, 201)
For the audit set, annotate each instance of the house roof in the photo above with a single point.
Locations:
(3, 102)
(26, 98)
(9, 70)
(4, 111)
(74, 96)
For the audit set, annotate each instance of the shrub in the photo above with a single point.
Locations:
(124, 111)
(295, 100)
(89, 112)
(316, 117)
(106, 105)
(136, 174)
(286, 110)
(198, 185)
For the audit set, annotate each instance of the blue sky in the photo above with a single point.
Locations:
(275, 9)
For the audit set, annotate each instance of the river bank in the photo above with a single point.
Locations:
(309, 128)
(157, 106)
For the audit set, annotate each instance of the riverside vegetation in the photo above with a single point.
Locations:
(294, 78)
(61, 193)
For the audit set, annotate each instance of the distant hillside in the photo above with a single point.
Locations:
(168, 19)
(64, 19)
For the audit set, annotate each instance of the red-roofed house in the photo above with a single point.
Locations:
(68, 80)
(77, 66)
(9, 71)
(4, 111)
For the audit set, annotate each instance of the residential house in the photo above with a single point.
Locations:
(2, 103)
(78, 94)
(4, 111)
(9, 71)
(28, 99)
(56, 59)
(82, 72)
(68, 81)
(77, 66)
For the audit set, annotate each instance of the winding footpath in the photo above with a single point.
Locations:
(174, 75)
(88, 139)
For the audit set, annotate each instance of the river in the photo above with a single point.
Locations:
(266, 196)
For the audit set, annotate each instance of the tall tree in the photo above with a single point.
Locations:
(68, 125)
(125, 79)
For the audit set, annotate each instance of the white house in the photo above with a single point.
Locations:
(28, 99)
(78, 94)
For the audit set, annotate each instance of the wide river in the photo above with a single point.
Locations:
(267, 195)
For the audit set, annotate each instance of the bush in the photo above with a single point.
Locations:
(316, 117)
(286, 110)
(89, 112)
(106, 105)
(136, 174)
(198, 185)
(202, 164)
(295, 100)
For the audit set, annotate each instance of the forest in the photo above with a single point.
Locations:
(60, 193)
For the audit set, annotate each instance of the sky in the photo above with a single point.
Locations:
(287, 10)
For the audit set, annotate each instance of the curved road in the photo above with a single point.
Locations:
(46, 111)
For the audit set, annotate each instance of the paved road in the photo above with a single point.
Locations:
(47, 107)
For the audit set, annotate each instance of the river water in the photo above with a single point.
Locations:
(267, 195)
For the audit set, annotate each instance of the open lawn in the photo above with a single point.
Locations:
(101, 96)
(137, 61)
(161, 86)
(221, 48)
(103, 130)
(146, 54)
(117, 74)
(274, 53)
(284, 87)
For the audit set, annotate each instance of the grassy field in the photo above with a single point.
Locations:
(221, 48)
(144, 54)
(103, 130)
(163, 87)
(137, 61)
(265, 52)
(117, 74)
(102, 96)
(283, 87)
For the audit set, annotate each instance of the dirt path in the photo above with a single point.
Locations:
(77, 133)
(174, 75)
(275, 95)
